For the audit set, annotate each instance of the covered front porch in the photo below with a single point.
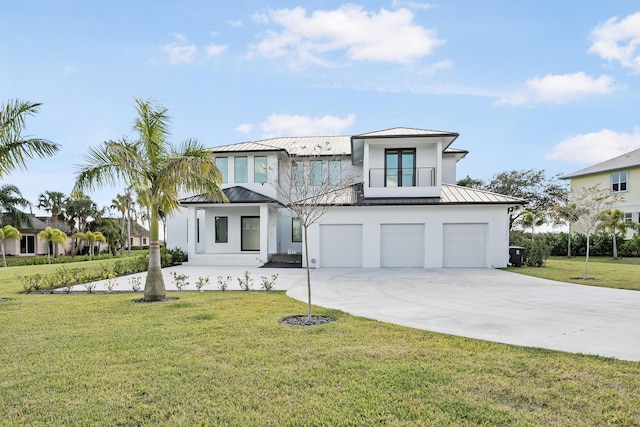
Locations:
(241, 232)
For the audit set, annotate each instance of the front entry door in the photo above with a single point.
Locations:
(250, 233)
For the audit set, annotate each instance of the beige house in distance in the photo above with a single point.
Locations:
(620, 174)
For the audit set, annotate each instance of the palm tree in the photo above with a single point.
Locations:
(152, 166)
(55, 236)
(122, 203)
(52, 202)
(14, 150)
(10, 200)
(91, 238)
(8, 232)
(613, 220)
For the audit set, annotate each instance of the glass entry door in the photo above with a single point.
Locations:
(250, 230)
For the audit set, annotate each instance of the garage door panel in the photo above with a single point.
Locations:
(402, 245)
(464, 245)
(340, 245)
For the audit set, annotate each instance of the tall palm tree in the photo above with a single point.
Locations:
(52, 202)
(152, 166)
(122, 203)
(55, 236)
(15, 150)
(10, 200)
(8, 232)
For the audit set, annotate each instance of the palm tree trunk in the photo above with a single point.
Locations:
(4, 259)
(154, 289)
(615, 245)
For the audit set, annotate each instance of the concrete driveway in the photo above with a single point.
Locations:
(486, 304)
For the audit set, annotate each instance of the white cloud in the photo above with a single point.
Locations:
(238, 23)
(386, 36)
(559, 89)
(245, 128)
(595, 147)
(288, 125)
(216, 49)
(438, 66)
(619, 41)
(180, 52)
(411, 4)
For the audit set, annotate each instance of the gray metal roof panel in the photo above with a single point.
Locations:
(627, 160)
(400, 131)
(295, 146)
(235, 194)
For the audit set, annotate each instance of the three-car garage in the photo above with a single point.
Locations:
(403, 245)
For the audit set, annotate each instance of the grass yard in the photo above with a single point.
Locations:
(222, 358)
(602, 271)
(10, 276)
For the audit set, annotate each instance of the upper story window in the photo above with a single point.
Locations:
(222, 163)
(400, 167)
(315, 172)
(628, 216)
(619, 181)
(297, 173)
(240, 169)
(335, 172)
(260, 169)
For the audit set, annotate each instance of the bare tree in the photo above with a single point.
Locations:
(309, 187)
(591, 203)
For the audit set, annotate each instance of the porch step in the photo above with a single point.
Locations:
(249, 260)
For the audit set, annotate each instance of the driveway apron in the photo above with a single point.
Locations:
(487, 304)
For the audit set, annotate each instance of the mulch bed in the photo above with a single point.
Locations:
(144, 301)
(303, 320)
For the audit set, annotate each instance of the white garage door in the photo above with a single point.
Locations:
(340, 245)
(402, 245)
(465, 245)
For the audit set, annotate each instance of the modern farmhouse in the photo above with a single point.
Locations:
(395, 204)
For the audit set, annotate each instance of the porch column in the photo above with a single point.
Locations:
(264, 233)
(191, 230)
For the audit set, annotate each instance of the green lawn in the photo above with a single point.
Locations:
(223, 358)
(602, 271)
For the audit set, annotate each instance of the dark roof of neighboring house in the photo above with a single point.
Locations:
(37, 224)
(627, 160)
(136, 229)
(235, 194)
(60, 225)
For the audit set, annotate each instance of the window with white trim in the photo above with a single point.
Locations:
(619, 181)
(628, 216)
(240, 169)
(222, 163)
(260, 169)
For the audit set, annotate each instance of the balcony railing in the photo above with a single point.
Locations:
(408, 177)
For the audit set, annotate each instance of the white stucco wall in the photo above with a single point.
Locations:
(433, 218)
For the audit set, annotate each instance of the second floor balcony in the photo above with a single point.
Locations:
(406, 177)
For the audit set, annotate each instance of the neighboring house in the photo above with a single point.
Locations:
(139, 235)
(31, 244)
(403, 211)
(620, 174)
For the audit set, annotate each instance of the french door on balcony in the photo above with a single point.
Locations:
(400, 167)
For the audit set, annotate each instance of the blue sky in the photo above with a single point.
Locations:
(546, 84)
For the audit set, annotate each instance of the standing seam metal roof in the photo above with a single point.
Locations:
(627, 160)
